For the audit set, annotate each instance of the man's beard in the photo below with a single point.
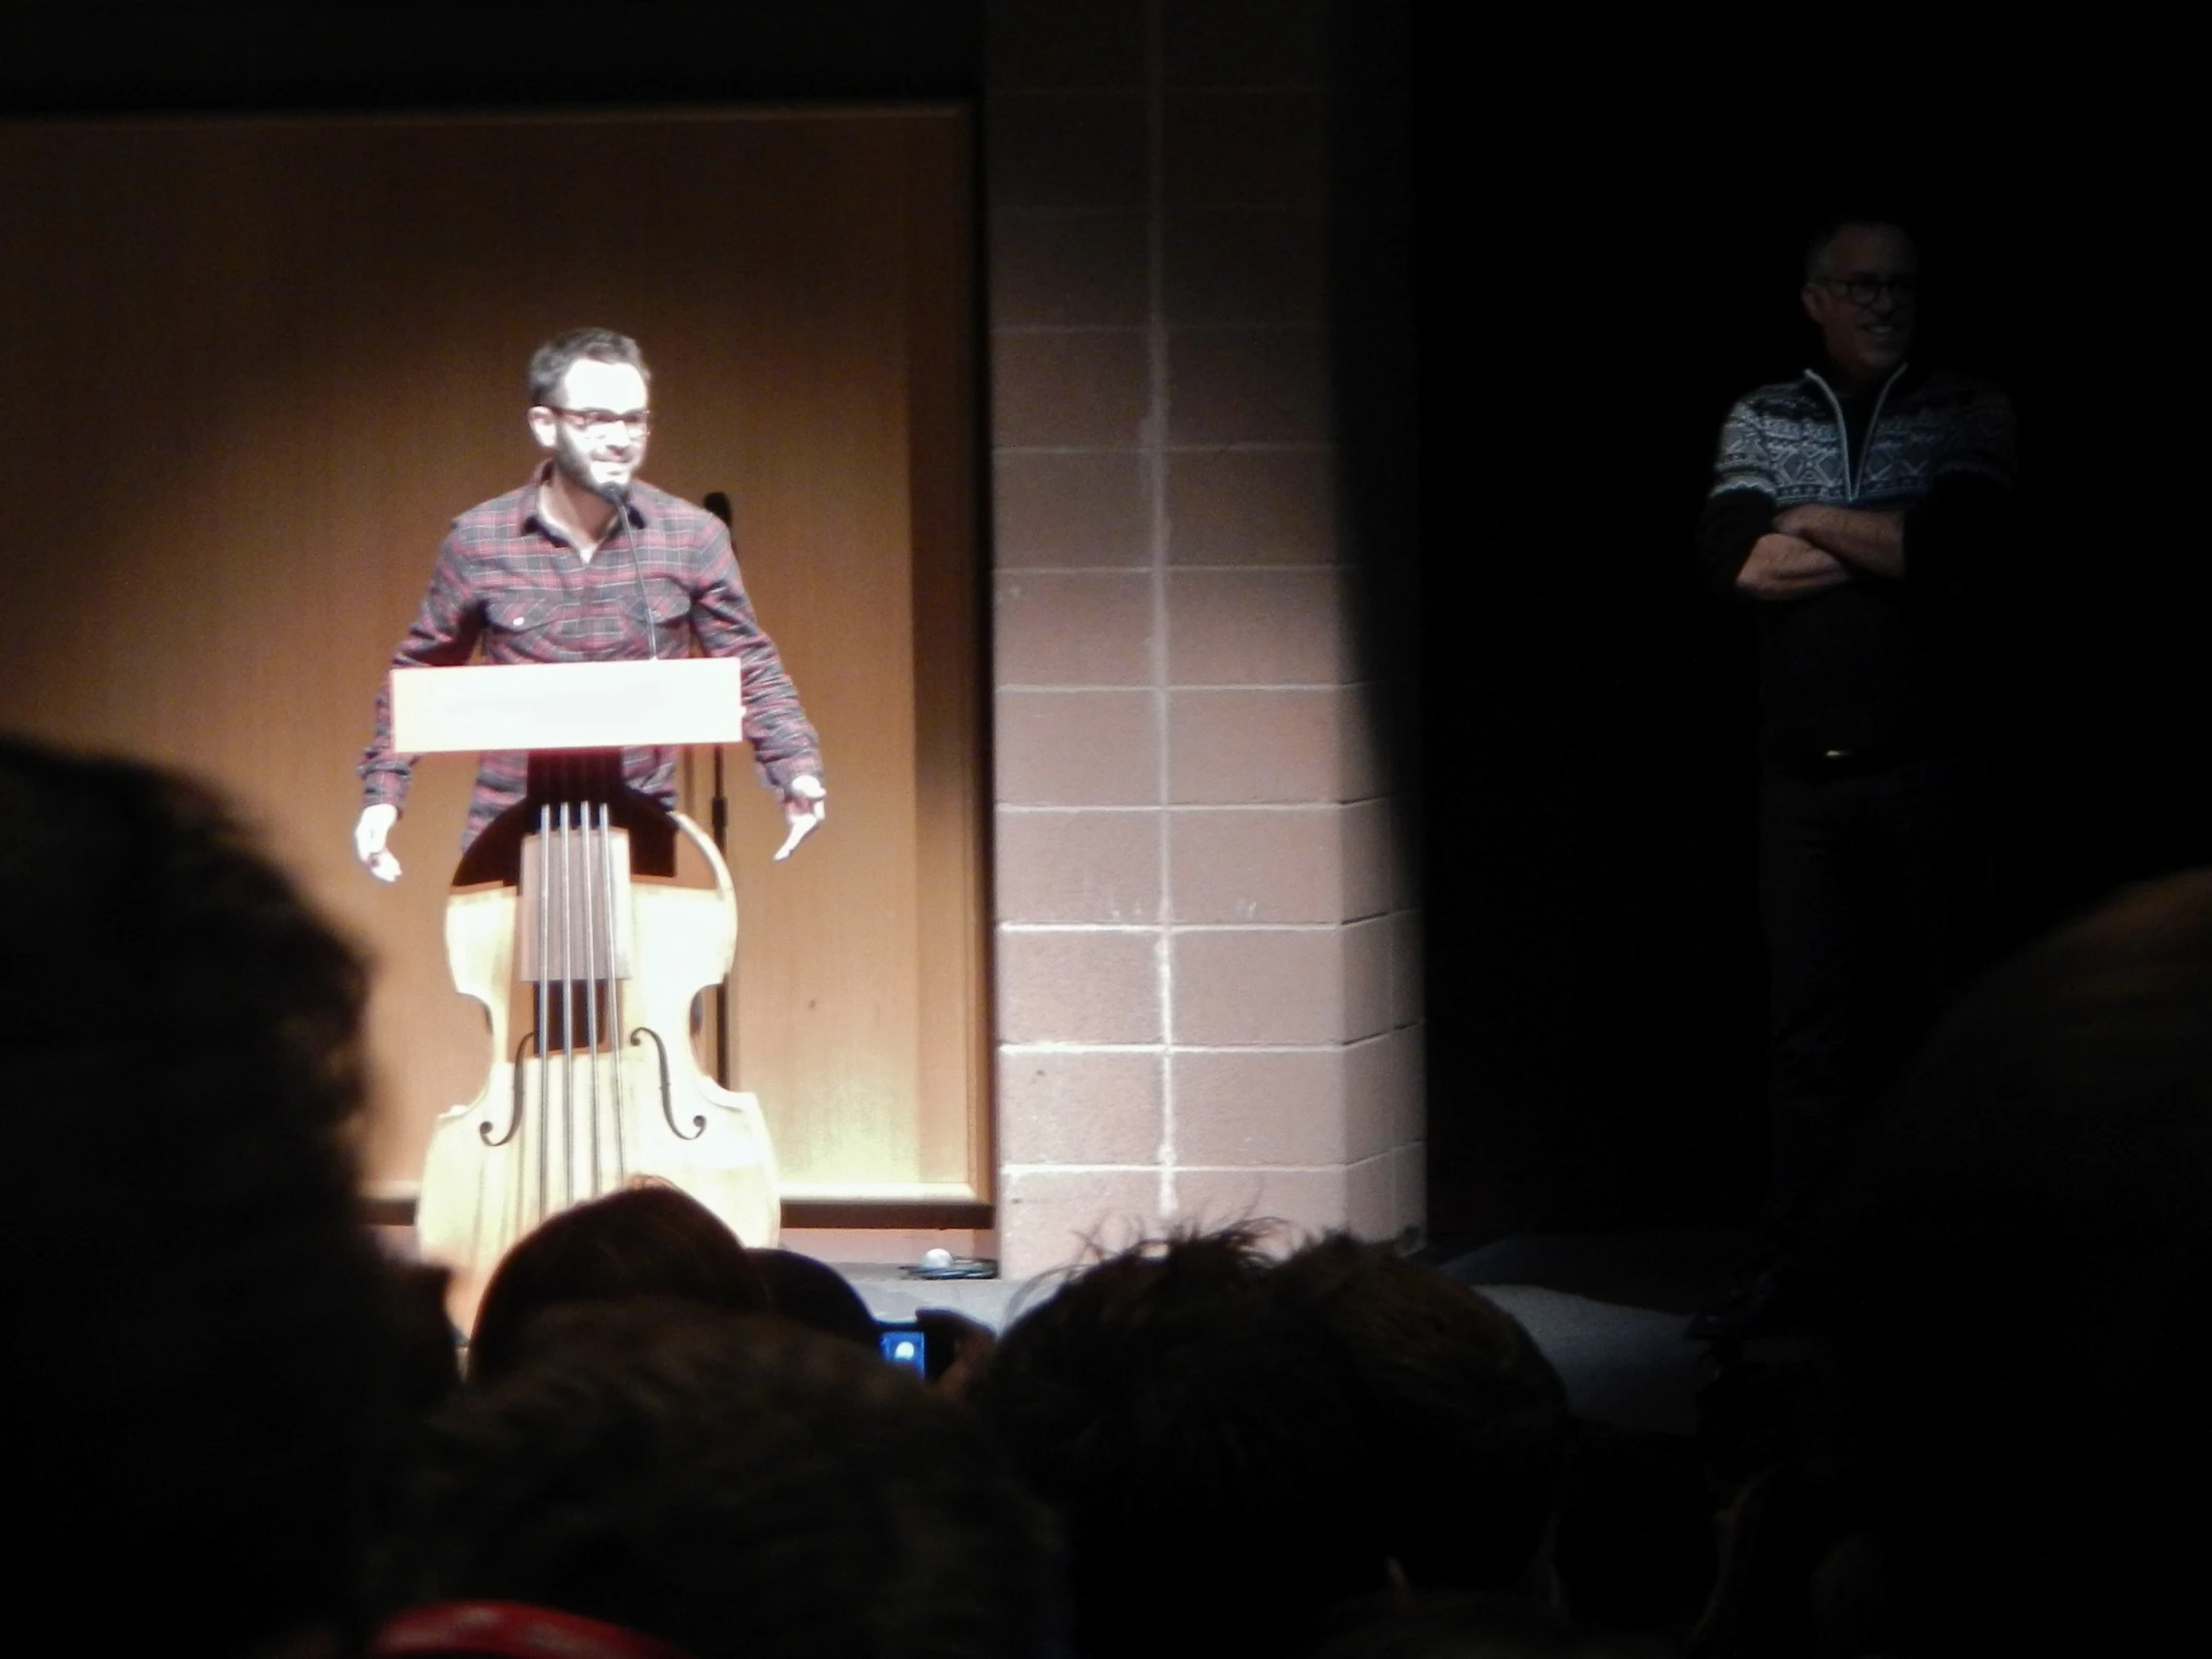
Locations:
(575, 464)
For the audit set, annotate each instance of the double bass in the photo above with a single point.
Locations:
(567, 925)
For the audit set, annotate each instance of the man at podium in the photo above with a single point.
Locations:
(586, 563)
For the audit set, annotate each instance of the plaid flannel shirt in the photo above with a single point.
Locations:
(507, 580)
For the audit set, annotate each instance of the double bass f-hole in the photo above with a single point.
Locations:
(667, 1097)
(515, 1095)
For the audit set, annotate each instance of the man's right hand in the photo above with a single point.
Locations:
(369, 834)
(1789, 567)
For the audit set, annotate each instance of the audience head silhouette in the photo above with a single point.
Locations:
(647, 1240)
(673, 1437)
(2020, 1262)
(200, 1379)
(815, 1295)
(1249, 1442)
(737, 1487)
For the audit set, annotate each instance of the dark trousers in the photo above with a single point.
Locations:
(1861, 889)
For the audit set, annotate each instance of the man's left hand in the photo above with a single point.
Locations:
(806, 804)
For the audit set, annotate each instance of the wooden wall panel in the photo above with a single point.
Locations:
(269, 361)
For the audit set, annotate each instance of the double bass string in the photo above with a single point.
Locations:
(568, 1011)
(612, 934)
(593, 831)
(545, 974)
(577, 955)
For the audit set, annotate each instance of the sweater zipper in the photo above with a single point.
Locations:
(1853, 478)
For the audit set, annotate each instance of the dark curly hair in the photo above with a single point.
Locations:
(641, 1241)
(738, 1487)
(2016, 1256)
(195, 1311)
(1252, 1441)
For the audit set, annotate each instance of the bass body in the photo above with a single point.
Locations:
(588, 971)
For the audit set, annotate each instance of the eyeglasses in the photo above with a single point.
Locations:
(1865, 290)
(638, 422)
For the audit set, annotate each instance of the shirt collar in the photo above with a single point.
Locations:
(1825, 378)
(535, 487)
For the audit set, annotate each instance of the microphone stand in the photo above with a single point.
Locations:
(618, 497)
(719, 813)
(717, 825)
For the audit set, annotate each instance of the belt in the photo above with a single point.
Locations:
(1845, 763)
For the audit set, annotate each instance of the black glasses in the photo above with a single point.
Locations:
(638, 422)
(1865, 290)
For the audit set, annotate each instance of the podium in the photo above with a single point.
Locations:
(568, 705)
(567, 925)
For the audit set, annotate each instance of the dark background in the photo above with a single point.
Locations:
(1558, 258)
(1631, 266)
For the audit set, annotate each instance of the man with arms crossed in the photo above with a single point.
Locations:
(1851, 508)
(585, 563)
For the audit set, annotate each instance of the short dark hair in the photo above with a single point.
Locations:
(643, 1241)
(815, 1294)
(1251, 1442)
(550, 363)
(1824, 237)
(739, 1488)
(1470, 1417)
(201, 1358)
(1192, 1432)
(2018, 1260)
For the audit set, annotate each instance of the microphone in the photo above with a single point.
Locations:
(616, 493)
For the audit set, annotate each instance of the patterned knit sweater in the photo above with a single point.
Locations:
(1873, 666)
(1792, 443)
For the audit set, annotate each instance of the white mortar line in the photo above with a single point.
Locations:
(1076, 1169)
(1059, 1046)
(1015, 572)
(1214, 329)
(1052, 810)
(1287, 1168)
(1197, 1169)
(1178, 927)
(1256, 446)
(1156, 463)
(1035, 687)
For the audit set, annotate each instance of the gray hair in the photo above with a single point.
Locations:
(1818, 244)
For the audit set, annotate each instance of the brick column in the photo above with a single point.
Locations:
(1207, 992)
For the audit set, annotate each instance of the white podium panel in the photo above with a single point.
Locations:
(627, 704)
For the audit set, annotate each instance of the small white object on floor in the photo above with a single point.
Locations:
(939, 1257)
